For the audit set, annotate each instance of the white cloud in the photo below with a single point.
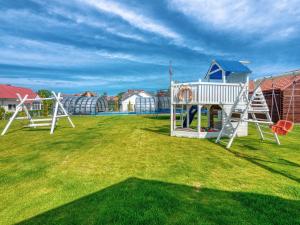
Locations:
(91, 21)
(76, 81)
(24, 51)
(267, 17)
(142, 22)
(134, 18)
(275, 68)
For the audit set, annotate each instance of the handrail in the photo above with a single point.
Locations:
(207, 93)
(206, 83)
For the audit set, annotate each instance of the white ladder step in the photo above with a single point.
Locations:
(258, 121)
(259, 99)
(22, 118)
(40, 120)
(258, 104)
(258, 109)
(59, 116)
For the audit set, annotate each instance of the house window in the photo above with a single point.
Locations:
(11, 106)
(36, 106)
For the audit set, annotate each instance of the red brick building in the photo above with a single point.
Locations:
(283, 85)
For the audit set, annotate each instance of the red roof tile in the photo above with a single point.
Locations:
(8, 91)
(280, 82)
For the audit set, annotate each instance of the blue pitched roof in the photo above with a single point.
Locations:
(233, 66)
(229, 67)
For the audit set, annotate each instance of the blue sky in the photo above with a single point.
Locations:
(115, 45)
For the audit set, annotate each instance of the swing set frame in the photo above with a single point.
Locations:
(58, 112)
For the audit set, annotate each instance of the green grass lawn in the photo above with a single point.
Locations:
(128, 170)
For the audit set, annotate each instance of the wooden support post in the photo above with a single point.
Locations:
(18, 108)
(171, 110)
(25, 109)
(57, 97)
(199, 119)
(175, 119)
(187, 116)
(258, 127)
(181, 115)
(208, 116)
(54, 113)
(274, 134)
(223, 76)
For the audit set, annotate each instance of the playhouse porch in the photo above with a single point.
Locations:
(196, 97)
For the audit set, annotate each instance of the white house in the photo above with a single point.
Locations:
(128, 99)
(9, 99)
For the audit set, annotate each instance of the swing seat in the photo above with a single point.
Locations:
(282, 127)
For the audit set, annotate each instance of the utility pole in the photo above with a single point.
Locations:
(170, 72)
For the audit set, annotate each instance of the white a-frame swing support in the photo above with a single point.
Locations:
(41, 122)
(256, 104)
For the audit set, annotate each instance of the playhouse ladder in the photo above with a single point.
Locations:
(258, 106)
(255, 105)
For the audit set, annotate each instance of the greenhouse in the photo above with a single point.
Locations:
(152, 105)
(78, 105)
(145, 105)
(163, 104)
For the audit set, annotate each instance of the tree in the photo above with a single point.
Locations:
(47, 104)
(129, 106)
(119, 95)
(43, 93)
(2, 113)
(116, 104)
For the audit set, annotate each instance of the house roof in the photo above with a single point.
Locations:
(130, 93)
(9, 91)
(279, 82)
(233, 66)
(229, 66)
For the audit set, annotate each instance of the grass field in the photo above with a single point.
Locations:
(128, 170)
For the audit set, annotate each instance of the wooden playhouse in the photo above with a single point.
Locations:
(223, 96)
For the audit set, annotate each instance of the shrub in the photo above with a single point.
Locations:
(129, 106)
(8, 115)
(2, 113)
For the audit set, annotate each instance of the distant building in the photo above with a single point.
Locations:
(9, 99)
(113, 103)
(87, 94)
(163, 93)
(282, 85)
(129, 98)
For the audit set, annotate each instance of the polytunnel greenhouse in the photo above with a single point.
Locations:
(79, 105)
(152, 105)
(145, 105)
(163, 104)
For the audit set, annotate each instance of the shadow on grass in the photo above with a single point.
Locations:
(260, 162)
(164, 130)
(137, 201)
(158, 117)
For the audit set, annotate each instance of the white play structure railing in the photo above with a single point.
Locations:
(208, 93)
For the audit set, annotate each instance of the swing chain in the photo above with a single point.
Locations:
(292, 100)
